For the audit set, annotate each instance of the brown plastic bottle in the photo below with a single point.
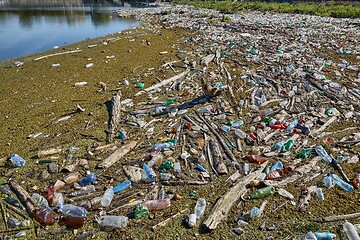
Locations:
(158, 204)
(72, 222)
(45, 216)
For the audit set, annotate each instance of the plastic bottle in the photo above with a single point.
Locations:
(89, 179)
(200, 208)
(328, 182)
(167, 165)
(17, 161)
(148, 172)
(342, 184)
(263, 192)
(122, 186)
(287, 146)
(237, 124)
(285, 193)
(319, 193)
(107, 197)
(155, 159)
(220, 117)
(169, 102)
(5, 190)
(276, 166)
(112, 221)
(88, 189)
(305, 153)
(292, 125)
(39, 200)
(177, 167)
(324, 235)
(45, 216)
(256, 159)
(13, 201)
(165, 176)
(246, 168)
(58, 200)
(72, 210)
(225, 128)
(157, 204)
(350, 231)
(72, 222)
(161, 146)
(141, 211)
(240, 133)
(323, 154)
(310, 236)
(192, 220)
(279, 144)
(200, 167)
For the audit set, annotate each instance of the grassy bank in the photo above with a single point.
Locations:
(326, 9)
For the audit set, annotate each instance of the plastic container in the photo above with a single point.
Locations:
(45, 216)
(200, 208)
(17, 161)
(263, 192)
(323, 154)
(350, 231)
(112, 221)
(72, 210)
(107, 197)
(122, 186)
(89, 179)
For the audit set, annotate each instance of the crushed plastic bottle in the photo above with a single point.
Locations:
(45, 216)
(200, 208)
(122, 186)
(72, 222)
(167, 165)
(72, 210)
(254, 212)
(141, 211)
(112, 221)
(342, 184)
(107, 197)
(89, 179)
(17, 161)
(263, 192)
(323, 154)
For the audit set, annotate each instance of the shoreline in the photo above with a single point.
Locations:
(251, 52)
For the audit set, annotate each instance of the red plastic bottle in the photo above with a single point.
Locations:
(72, 222)
(278, 126)
(45, 216)
(256, 159)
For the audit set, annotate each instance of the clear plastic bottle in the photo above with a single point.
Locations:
(150, 174)
(155, 159)
(285, 193)
(324, 235)
(240, 133)
(225, 128)
(112, 221)
(237, 124)
(86, 190)
(200, 208)
(58, 200)
(292, 125)
(323, 154)
(177, 167)
(319, 193)
(161, 146)
(328, 182)
(279, 144)
(107, 197)
(342, 184)
(17, 161)
(350, 231)
(276, 166)
(310, 236)
(122, 186)
(39, 200)
(72, 210)
(192, 220)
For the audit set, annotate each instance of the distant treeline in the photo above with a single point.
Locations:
(338, 9)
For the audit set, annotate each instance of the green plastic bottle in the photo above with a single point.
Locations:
(305, 153)
(141, 211)
(167, 165)
(263, 192)
(287, 146)
(168, 103)
(329, 111)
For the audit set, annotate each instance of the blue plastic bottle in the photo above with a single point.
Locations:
(149, 172)
(323, 154)
(292, 125)
(276, 166)
(122, 186)
(89, 179)
(161, 146)
(338, 181)
(324, 235)
(17, 161)
(72, 210)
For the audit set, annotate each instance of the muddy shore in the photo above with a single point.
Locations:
(36, 94)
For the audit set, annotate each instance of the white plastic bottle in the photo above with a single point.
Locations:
(192, 220)
(350, 231)
(107, 197)
(200, 208)
(112, 221)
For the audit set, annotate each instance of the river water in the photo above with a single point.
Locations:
(31, 26)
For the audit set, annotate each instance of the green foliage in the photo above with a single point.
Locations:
(226, 19)
(325, 9)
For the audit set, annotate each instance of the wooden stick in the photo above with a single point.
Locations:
(164, 82)
(222, 207)
(118, 154)
(4, 216)
(163, 223)
(182, 183)
(337, 218)
(114, 115)
(217, 157)
(57, 54)
(22, 195)
(17, 211)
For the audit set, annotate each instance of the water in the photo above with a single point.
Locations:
(31, 26)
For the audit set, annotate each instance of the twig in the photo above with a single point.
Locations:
(17, 211)
(337, 218)
(4, 216)
(57, 54)
(22, 195)
(163, 223)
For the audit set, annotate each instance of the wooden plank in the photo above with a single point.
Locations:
(114, 157)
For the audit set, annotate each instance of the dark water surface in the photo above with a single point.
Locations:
(30, 26)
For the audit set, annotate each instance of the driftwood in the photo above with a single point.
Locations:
(17, 211)
(206, 60)
(223, 205)
(164, 82)
(182, 183)
(322, 128)
(114, 115)
(217, 157)
(57, 54)
(304, 199)
(22, 195)
(337, 218)
(110, 160)
(163, 223)
(44, 153)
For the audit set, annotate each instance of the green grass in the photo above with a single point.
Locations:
(325, 9)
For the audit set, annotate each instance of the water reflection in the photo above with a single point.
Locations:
(32, 26)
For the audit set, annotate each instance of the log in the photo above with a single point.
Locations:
(114, 115)
(114, 157)
(222, 207)
(217, 157)
(164, 82)
(337, 218)
(22, 195)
